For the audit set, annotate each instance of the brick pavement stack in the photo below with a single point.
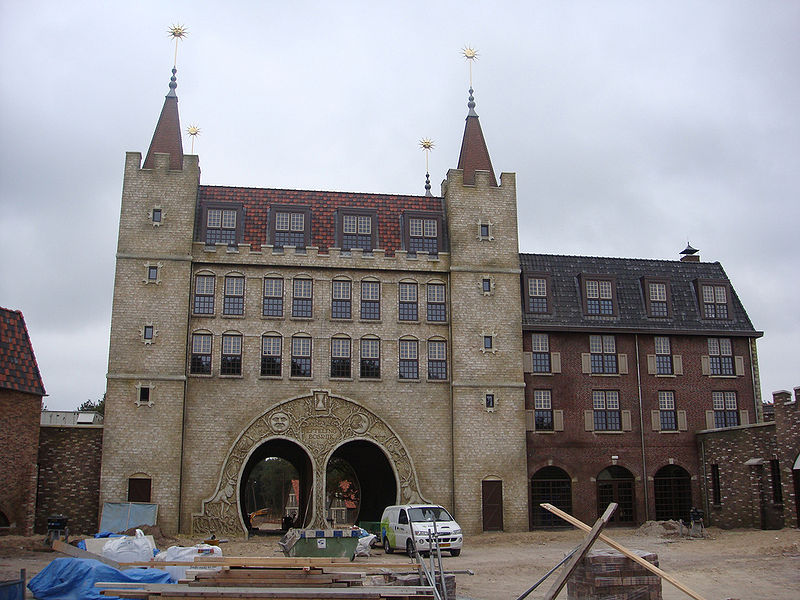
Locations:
(609, 575)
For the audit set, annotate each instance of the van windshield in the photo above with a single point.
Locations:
(429, 513)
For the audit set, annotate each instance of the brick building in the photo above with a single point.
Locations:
(21, 392)
(407, 336)
(752, 472)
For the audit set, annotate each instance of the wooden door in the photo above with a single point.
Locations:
(492, 495)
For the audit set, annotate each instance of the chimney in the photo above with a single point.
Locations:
(690, 254)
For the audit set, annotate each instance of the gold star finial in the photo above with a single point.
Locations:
(471, 55)
(177, 32)
(427, 145)
(193, 131)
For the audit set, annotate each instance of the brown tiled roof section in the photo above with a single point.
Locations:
(167, 136)
(18, 368)
(257, 202)
(474, 153)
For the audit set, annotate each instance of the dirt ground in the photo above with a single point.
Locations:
(742, 564)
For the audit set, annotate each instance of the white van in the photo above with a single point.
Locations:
(406, 527)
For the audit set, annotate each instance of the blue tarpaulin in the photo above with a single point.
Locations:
(74, 579)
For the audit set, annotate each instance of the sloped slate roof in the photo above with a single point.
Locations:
(257, 202)
(18, 368)
(628, 273)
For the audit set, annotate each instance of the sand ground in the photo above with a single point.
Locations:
(742, 564)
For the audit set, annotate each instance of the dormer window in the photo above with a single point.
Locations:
(220, 226)
(599, 296)
(223, 223)
(537, 294)
(357, 229)
(715, 300)
(423, 233)
(290, 226)
(657, 297)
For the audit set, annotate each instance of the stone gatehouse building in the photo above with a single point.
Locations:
(407, 336)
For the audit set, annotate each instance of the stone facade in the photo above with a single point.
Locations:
(238, 328)
(69, 477)
(752, 472)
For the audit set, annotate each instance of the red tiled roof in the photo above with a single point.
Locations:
(257, 202)
(18, 368)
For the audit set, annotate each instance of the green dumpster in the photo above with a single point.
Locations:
(328, 543)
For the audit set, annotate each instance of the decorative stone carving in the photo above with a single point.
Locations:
(319, 423)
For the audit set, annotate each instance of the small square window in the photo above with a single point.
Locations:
(484, 230)
(152, 273)
(486, 285)
(148, 332)
(144, 395)
(156, 215)
(488, 342)
(488, 400)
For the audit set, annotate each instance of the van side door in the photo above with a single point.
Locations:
(403, 530)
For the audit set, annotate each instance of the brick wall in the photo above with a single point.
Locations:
(583, 454)
(69, 476)
(748, 495)
(19, 438)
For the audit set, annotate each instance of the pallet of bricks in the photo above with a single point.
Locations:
(244, 578)
(609, 575)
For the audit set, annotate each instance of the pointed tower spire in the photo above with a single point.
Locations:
(474, 154)
(167, 136)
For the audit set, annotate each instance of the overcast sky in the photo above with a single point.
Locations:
(633, 128)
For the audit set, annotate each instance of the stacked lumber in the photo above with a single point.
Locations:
(276, 578)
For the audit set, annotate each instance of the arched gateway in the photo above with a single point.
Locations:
(316, 426)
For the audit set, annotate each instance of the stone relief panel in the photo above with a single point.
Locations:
(318, 422)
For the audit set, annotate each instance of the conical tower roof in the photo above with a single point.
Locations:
(474, 153)
(167, 136)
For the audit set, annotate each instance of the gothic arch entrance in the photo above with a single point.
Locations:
(375, 479)
(320, 426)
(252, 494)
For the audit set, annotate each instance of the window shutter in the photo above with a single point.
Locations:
(626, 420)
(677, 364)
(682, 423)
(655, 418)
(586, 362)
(588, 420)
(739, 361)
(558, 420)
(709, 419)
(527, 362)
(555, 362)
(530, 422)
(744, 417)
(623, 363)
(705, 365)
(651, 364)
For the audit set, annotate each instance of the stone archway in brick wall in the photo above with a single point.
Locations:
(319, 423)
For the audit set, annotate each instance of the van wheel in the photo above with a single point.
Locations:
(455, 552)
(387, 547)
(410, 548)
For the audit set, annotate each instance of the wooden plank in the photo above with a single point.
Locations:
(74, 552)
(577, 557)
(184, 592)
(619, 547)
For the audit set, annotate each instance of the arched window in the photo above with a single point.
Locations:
(340, 357)
(370, 357)
(553, 486)
(673, 493)
(271, 347)
(616, 484)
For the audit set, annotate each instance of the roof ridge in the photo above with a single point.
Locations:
(245, 187)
